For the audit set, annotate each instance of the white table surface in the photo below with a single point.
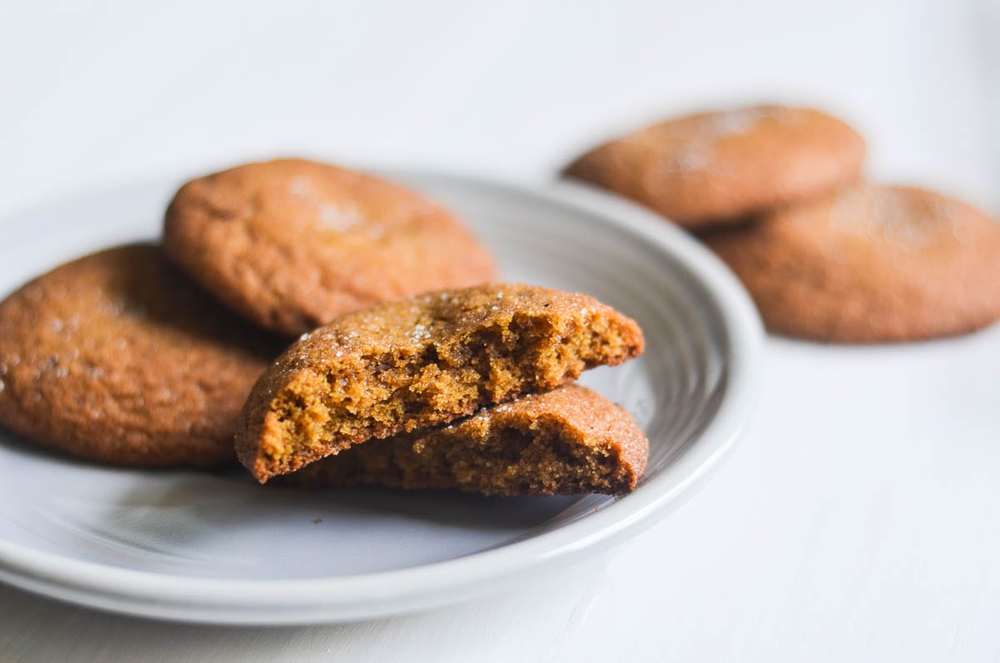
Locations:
(857, 518)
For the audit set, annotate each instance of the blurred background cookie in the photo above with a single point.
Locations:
(871, 263)
(118, 357)
(292, 243)
(721, 166)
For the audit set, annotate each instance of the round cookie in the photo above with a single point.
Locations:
(291, 244)
(117, 357)
(720, 166)
(870, 264)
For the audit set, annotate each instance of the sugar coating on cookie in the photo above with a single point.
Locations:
(870, 264)
(291, 243)
(412, 365)
(118, 357)
(721, 166)
(563, 442)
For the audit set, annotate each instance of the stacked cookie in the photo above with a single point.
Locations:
(398, 372)
(145, 355)
(778, 194)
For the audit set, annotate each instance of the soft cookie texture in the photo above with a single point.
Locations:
(872, 263)
(720, 166)
(291, 244)
(117, 357)
(563, 442)
(409, 366)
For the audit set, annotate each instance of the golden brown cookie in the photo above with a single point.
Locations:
(872, 263)
(720, 166)
(291, 244)
(563, 442)
(412, 365)
(118, 357)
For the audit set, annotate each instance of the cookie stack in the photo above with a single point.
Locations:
(368, 387)
(778, 193)
(144, 355)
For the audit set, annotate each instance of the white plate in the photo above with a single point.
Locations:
(218, 548)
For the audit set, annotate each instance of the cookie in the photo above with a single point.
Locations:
(720, 166)
(291, 244)
(119, 358)
(872, 263)
(412, 365)
(563, 442)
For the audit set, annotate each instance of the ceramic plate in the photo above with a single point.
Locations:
(217, 548)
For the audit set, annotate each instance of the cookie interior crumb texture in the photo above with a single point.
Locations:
(563, 442)
(292, 244)
(413, 365)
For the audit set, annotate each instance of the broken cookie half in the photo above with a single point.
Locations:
(563, 442)
(424, 362)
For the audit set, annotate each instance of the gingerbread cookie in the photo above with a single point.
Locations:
(721, 166)
(563, 442)
(118, 357)
(872, 263)
(412, 365)
(291, 244)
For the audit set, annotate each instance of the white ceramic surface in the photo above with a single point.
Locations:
(217, 548)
